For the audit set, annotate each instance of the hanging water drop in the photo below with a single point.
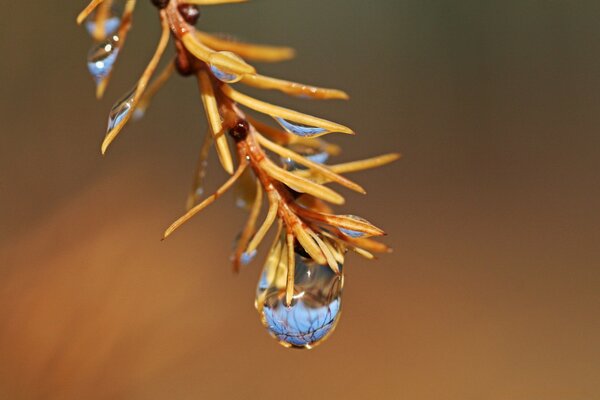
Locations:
(121, 109)
(351, 233)
(300, 129)
(224, 76)
(102, 57)
(315, 308)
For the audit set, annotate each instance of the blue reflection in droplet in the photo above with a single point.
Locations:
(315, 308)
(102, 57)
(300, 129)
(121, 109)
(110, 26)
(248, 257)
(351, 233)
(224, 76)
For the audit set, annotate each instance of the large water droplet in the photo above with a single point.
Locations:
(121, 109)
(316, 155)
(102, 57)
(300, 129)
(225, 76)
(315, 308)
(351, 233)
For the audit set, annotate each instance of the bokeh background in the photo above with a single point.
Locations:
(493, 291)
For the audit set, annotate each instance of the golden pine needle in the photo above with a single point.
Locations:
(154, 87)
(249, 228)
(208, 201)
(319, 168)
(262, 231)
(200, 173)
(214, 118)
(363, 253)
(341, 221)
(142, 83)
(362, 165)
(353, 166)
(331, 261)
(307, 242)
(102, 15)
(223, 61)
(249, 51)
(293, 88)
(291, 115)
(122, 35)
(291, 269)
(300, 184)
(88, 10)
(282, 137)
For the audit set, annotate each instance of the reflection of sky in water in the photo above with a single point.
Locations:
(301, 325)
(315, 307)
(299, 129)
(223, 76)
(100, 68)
(121, 110)
(110, 26)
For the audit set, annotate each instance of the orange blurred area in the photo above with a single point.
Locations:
(492, 292)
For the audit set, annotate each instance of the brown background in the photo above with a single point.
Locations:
(493, 291)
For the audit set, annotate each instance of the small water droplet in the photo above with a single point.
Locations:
(315, 308)
(300, 129)
(351, 233)
(315, 155)
(248, 257)
(102, 57)
(225, 76)
(121, 109)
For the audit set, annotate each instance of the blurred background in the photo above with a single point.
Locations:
(493, 291)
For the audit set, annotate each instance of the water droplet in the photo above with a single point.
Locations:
(121, 109)
(351, 233)
(102, 57)
(225, 76)
(248, 257)
(300, 129)
(111, 25)
(315, 307)
(315, 155)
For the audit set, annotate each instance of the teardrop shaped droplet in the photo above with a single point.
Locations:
(316, 155)
(315, 308)
(102, 57)
(351, 233)
(225, 76)
(121, 109)
(300, 129)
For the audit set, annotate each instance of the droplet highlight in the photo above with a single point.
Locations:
(300, 129)
(102, 57)
(315, 308)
